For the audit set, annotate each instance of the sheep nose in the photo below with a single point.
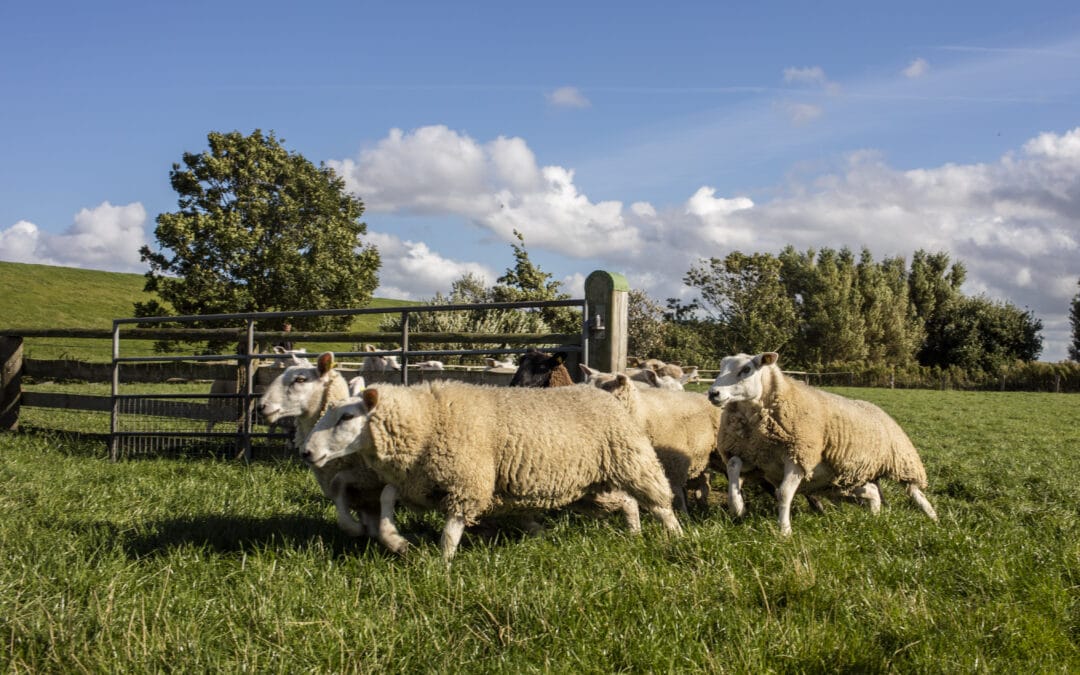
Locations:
(305, 455)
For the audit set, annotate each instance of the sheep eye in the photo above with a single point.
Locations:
(300, 379)
(745, 371)
(345, 417)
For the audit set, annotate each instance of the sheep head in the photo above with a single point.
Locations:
(299, 389)
(740, 378)
(342, 431)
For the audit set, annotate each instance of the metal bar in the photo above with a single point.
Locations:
(404, 347)
(352, 312)
(249, 387)
(113, 450)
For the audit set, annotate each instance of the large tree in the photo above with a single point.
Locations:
(978, 332)
(746, 296)
(1074, 319)
(258, 229)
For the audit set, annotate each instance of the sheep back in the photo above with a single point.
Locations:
(856, 440)
(477, 450)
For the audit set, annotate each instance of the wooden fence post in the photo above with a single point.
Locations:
(11, 368)
(607, 298)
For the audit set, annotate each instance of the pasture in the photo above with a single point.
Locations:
(205, 565)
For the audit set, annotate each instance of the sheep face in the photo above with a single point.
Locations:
(297, 389)
(535, 368)
(341, 431)
(377, 363)
(740, 378)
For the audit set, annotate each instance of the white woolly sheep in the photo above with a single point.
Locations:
(379, 363)
(473, 450)
(682, 426)
(495, 364)
(428, 365)
(306, 391)
(808, 439)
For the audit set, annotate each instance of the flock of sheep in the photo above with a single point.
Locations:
(615, 443)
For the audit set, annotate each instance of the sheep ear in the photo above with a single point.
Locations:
(371, 398)
(326, 362)
(769, 358)
(278, 349)
(357, 385)
(586, 371)
(369, 348)
(297, 361)
(561, 357)
(623, 380)
(651, 377)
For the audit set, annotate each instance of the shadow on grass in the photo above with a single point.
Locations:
(238, 534)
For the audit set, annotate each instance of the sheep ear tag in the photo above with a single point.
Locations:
(326, 362)
(370, 397)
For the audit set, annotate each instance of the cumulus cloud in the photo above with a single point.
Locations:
(497, 186)
(917, 68)
(568, 97)
(412, 271)
(104, 237)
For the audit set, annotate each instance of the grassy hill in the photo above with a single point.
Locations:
(44, 296)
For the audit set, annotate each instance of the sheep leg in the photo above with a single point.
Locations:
(451, 535)
(667, 516)
(793, 475)
(815, 504)
(679, 498)
(345, 519)
(915, 493)
(734, 477)
(387, 530)
(871, 494)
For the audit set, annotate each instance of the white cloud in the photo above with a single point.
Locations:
(917, 68)
(104, 237)
(568, 97)
(497, 186)
(810, 75)
(412, 271)
(801, 113)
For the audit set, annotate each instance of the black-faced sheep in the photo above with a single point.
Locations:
(472, 450)
(806, 439)
(539, 369)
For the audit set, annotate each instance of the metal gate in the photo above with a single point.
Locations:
(177, 416)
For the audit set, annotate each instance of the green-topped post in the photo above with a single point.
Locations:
(607, 300)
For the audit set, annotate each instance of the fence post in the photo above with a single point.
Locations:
(607, 301)
(11, 367)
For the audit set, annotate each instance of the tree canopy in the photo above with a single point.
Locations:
(827, 308)
(258, 228)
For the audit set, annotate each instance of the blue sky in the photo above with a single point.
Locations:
(633, 137)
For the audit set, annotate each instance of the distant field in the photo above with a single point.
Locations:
(43, 296)
(187, 565)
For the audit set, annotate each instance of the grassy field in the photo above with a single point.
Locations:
(203, 565)
(42, 296)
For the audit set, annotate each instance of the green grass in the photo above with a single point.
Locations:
(183, 565)
(44, 296)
